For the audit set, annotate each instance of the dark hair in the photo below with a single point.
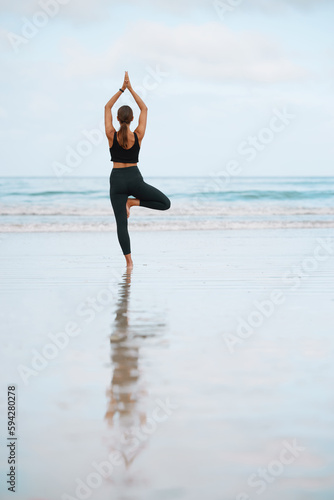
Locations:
(125, 115)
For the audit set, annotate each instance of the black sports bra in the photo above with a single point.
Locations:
(122, 155)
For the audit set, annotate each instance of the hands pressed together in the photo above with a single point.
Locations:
(126, 83)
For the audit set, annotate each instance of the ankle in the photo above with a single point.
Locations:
(133, 202)
(128, 259)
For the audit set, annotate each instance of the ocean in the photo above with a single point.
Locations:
(35, 204)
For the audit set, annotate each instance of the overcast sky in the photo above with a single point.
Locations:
(230, 84)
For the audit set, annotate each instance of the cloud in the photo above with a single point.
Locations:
(3, 112)
(77, 9)
(41, 105)
(208, 52)
(268, 5)
(88, 10)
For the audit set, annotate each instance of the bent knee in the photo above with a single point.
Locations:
(167, 204)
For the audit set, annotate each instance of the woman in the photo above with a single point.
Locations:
(125, 177)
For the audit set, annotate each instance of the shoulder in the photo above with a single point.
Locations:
(139, 135)
(111, 138)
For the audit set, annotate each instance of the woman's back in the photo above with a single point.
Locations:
(125, 155)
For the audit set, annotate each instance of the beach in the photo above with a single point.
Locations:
(205, 129)
(206, 372)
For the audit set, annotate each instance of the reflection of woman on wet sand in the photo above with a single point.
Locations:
(127, 411)
(125, 393)
(124, 359)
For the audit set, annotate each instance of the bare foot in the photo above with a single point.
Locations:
(130, 203)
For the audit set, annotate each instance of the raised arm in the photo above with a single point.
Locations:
(109, 127)
(140, 130)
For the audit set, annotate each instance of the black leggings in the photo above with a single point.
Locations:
(128, 181)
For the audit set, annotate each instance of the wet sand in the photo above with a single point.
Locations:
(205, 373)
